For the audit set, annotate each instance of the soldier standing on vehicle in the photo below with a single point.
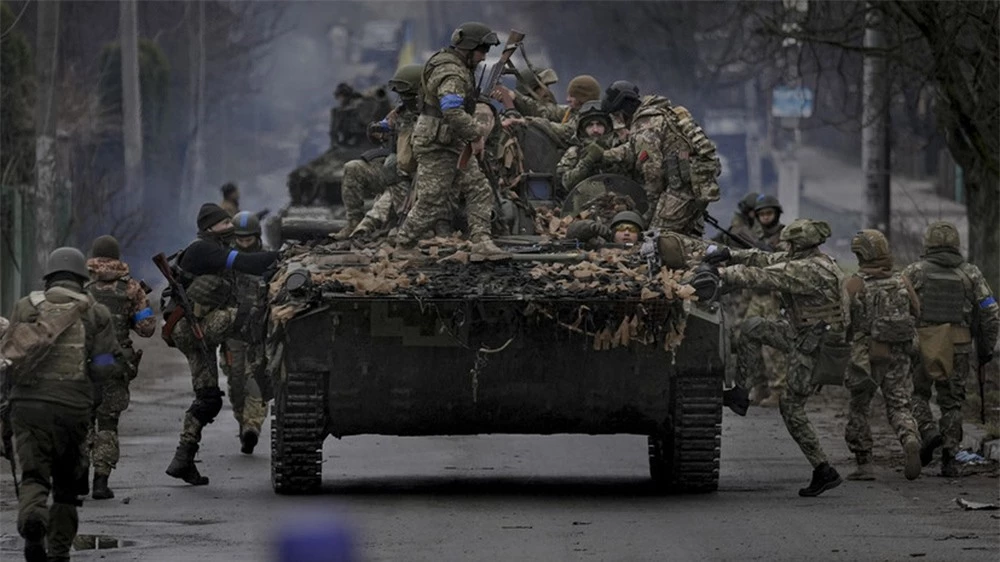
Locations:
(594, 135)
(206, 267)
(957, 308)
(443, 130)
(243, 363)
(883, 310)
(533, 98)
(111, 285)
(230, 198)
(51, 403)
(809, 282)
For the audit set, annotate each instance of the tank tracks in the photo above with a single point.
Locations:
(297, 432)
(685, 456)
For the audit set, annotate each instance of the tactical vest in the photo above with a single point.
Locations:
(887, 303)
(210, 292)
(431, 103)
(67, 359)
(806, 314)
(943, 296)
(115, 297)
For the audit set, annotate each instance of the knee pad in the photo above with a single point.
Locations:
(107, 423)
(207, 404)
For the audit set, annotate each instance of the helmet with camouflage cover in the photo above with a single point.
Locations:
(628, 216)
(621, 96)
(472, 35)
(941, 234)
(870, 246)
(767, 202)
(748, 202)
(246, 223)
(406, 80)
(806, 233)
(589, 112)
(67, 260)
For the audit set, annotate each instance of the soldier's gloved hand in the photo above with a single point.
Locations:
(705, 283)
(716, 255)
(593, 153)
(377, 131)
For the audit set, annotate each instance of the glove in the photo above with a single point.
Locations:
(377, 131)
(705, 283)
(593, 153)
(736, 399)
(716, 255)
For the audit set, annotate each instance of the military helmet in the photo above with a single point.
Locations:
(69, 260)
(246, 223)
(589, 112)
(941, 234)
(748, 202)
(628, 216)
(105, 246)
(870, 245)
(806, 233)
(344, 89)
(622, 96)
(472, 35)
(767, 202)
(406, 80)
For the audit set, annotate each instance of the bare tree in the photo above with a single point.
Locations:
(45, 196)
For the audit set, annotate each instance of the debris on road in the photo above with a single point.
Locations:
(976, 506)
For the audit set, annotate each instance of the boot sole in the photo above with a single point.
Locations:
(913, 460)
(194, 481)
(107, 496)
(827, 486)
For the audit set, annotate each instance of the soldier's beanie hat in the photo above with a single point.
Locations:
(584, 88)
(941, 234)
(209, 215)
(105, 247)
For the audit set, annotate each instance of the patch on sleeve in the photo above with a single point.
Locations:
(985, 303)
(643, 156)
(452, 101)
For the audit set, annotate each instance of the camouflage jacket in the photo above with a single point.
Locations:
(978, 307)
(544, 109)
(107, 274)
(573, 167)
(869, 295)
(449, 90)
(809, 284)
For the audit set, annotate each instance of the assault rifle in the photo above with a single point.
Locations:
(513, 39)
(737, 239)
(184, 307)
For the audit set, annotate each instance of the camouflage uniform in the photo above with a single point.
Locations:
(363, 179)
(951, 291)
(112, 286)
(242, 363)
(677, 164)
(882, 328)
(442, 131)
(541, 108)
(810, 283)
(585, 157)
(766, 304)
(397, 172)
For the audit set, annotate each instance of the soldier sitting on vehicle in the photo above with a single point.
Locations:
(585, 158)
(626, 228)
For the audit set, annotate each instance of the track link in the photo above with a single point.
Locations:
(298, 428)
(685, 457)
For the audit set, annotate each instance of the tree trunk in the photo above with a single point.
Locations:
(983, 204)
(194, 165)
(874, 125)
(44, 200)
(131, 107)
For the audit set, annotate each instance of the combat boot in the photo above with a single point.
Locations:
(364, 228)
(949, 466)
(183, 465)
(865, 471)
(486, 249)
(248, 440)
(34, 541)
(927, 449)
(345, 233)
(758, 393)
(824, 478)
(736, 399)
(911, 448)
(101, 490)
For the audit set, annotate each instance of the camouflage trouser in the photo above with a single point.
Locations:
(390, 201)
(103, 437)
(679, 212)
(204, 369)
(48, 442)
(240, 364)
(779, 334)
(950, 397)
(438, 182)
(768, 306)
(362, 179)
(892, 376)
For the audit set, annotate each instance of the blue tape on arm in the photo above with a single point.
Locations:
(142, 315)
(231, 258)
(452, 101)
(987, 302)
(103, 360)
(384, 124)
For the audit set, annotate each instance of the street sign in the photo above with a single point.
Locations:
(791, 102)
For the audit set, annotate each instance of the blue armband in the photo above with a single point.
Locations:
(231, 258)
(103, 360)
(452, 101)
(142, 315)
(384, 125)
(987, 302)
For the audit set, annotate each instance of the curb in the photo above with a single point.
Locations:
(974, 438)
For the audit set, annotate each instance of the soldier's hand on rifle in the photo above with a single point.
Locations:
(717, 255)
(503, 95)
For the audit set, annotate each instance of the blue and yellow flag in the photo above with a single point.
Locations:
(408, 51)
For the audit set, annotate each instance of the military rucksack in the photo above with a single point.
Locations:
(115, 297)
(887, 302)
(27, 345)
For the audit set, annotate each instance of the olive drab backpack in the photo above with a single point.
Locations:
(26, 345)
(888, 304)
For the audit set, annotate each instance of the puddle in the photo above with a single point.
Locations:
(100, 542)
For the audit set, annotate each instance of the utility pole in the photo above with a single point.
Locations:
(875, 124)
(43, 204)
(131, 106)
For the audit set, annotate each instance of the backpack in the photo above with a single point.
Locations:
(27, 344)
(888, 304)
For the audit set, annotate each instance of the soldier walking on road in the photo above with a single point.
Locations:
(446, 125)
(957, 308)
(809, 282)
(883, 310)
(206, 269)
(243, 364)
(51, 403)
(111, 285)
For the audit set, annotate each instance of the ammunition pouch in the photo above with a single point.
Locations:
(937, 348)
(167, 332)
(893, 330)
(831, 361)
(431, 130)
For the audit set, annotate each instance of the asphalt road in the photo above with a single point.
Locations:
(520, 497)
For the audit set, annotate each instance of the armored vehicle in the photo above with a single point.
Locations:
(550, 340)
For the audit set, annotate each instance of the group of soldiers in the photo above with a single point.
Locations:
(903, 334)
